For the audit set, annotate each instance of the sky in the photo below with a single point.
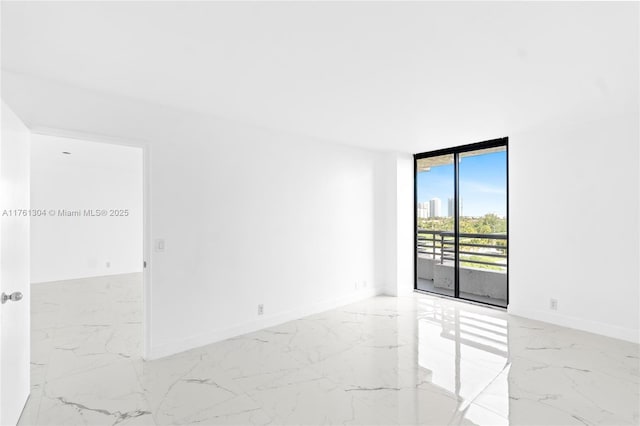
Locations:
(483, 184)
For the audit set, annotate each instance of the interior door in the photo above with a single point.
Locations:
(14, 267)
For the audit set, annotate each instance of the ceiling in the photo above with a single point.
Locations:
(380, 75)
(47, 154)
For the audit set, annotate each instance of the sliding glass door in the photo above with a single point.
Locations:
(482, 247)
(435, 183)
(461, 238)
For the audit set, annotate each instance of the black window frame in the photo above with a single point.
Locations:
(456, 151)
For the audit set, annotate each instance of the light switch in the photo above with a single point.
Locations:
(159, 244)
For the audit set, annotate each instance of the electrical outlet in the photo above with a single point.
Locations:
(553, 304)
(260, 309)
(364, 283)
(108, 264)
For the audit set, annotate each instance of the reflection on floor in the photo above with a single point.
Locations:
(407, 360)
(427, 285)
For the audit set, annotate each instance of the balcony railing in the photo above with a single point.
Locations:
(489, 250)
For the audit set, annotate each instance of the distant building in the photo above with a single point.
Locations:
(451, 208)
(434, 207)
(423, 210)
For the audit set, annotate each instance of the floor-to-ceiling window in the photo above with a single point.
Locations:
(461, 238)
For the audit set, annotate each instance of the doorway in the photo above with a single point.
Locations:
(461, 247)
(87, 266)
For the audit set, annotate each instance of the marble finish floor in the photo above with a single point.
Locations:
(382, 361)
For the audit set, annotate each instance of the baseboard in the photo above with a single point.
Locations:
(182, 345)
(622, 333)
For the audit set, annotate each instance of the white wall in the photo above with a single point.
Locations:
(394, 218)
(96, 176)
(405, 224)
(574, 216)
(252, 217)
(384, 216)
(574, 223)
(249, 215)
